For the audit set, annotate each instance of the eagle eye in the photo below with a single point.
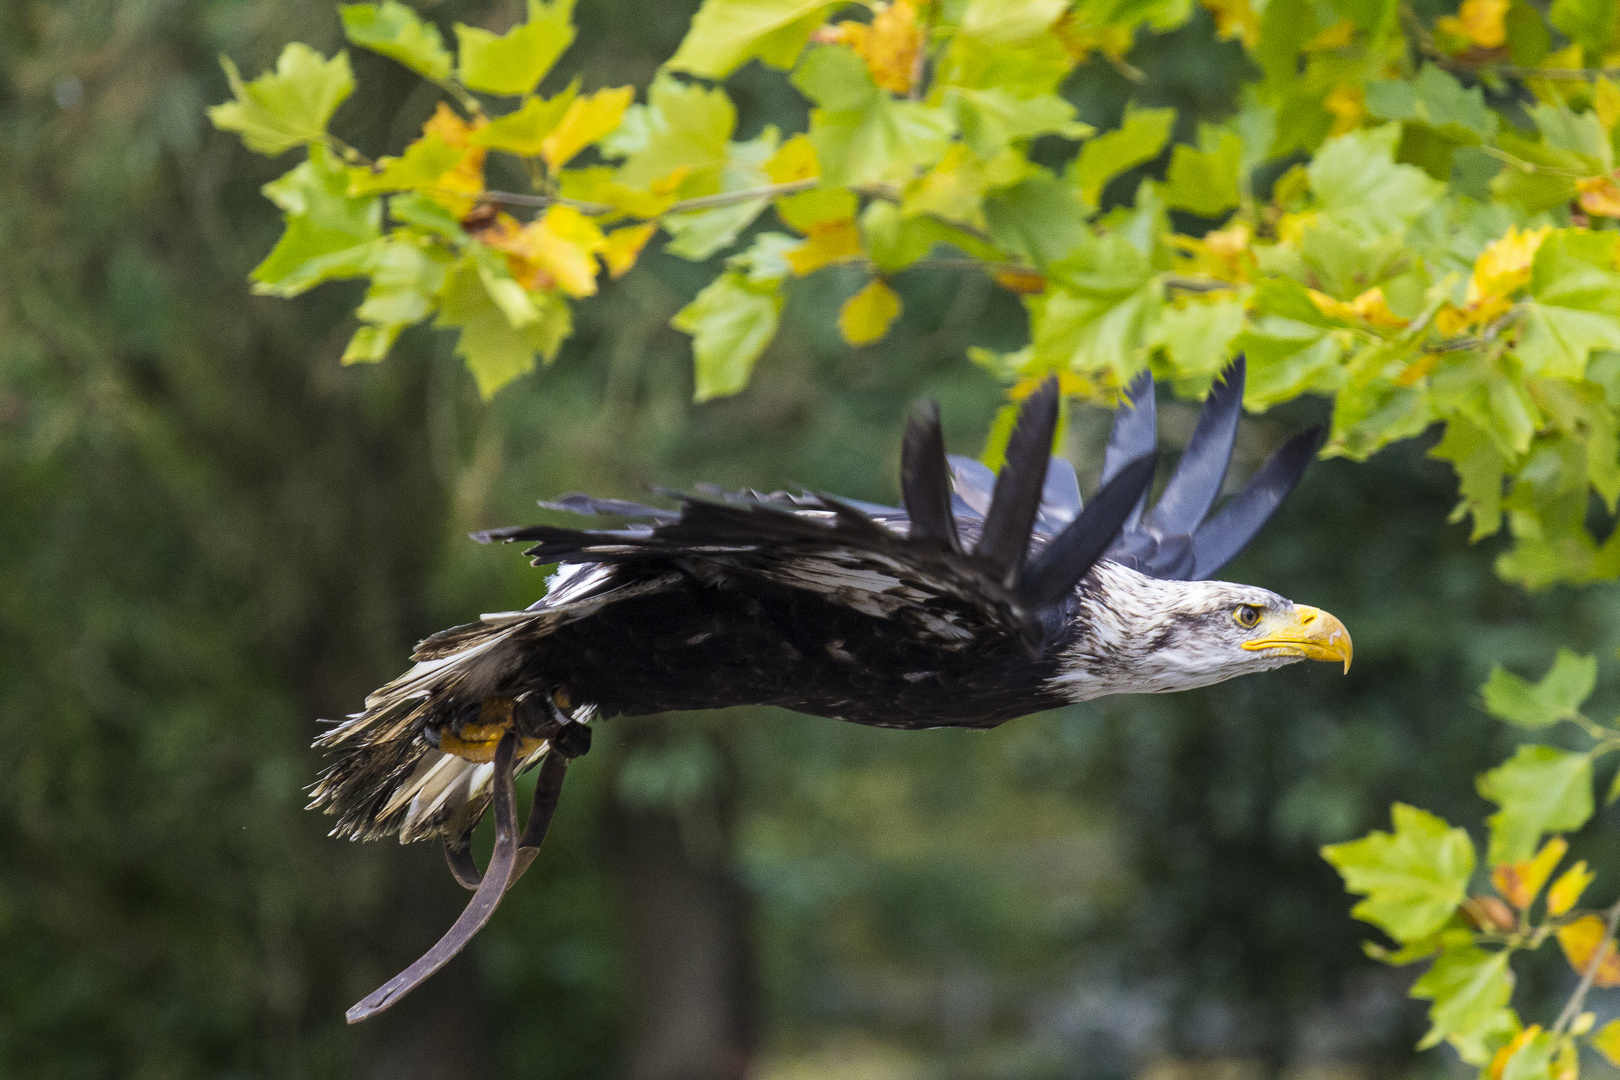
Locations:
(1247, 616)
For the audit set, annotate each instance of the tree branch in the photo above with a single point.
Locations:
(701, 202)
(1572, 1008)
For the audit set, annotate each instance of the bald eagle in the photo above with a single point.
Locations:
(984, 598)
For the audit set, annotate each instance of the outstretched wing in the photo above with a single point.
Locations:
(914, 567)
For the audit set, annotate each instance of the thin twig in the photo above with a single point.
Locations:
(1198, 285)
(702, 202)
(1572, 1008)
(1514, 71)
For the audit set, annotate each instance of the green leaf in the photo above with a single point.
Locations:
(1589, 23)
(1009, 22)
(1359, 186)
(862, 135)
(1470, 988)
(277, 112)
(1558, 696)
(406, 279)
(397, 32)
(1481, 468)
(1288, 358)
(894, 241)
(1198, 336)
(1413, 879)
(731, 321)
(699, 234)
(1437, 99)
(514, 62)
(329, 232)
(1574, 306)
(726, 34)
(522, 131)
(495, 351)
(1540, 789)
(682, 126)
(1138, 139)
(1206, 181)
(1039, 219)
(992, 120)
(422, 165)
(431, 217)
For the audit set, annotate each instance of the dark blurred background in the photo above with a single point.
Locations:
(211, 535)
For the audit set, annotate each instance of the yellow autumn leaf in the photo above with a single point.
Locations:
(1105, 388)
(557, 249)
(1606, 102)
(1370, 308)
(1599, 196)
(622, 246)
(825, 243)
(1520, 883)
(1482, 22)
(1504, 265)
(587, 119)
(1336, 36)
(1581, 940)
(1221, 253)
(793, 160)
(1080, 39)
(865, 317)
(1235, 19)
(456, 189)
(1607, 1042)
(1514, 1045)
(1348, 104)
(1567, 890)
(889, 44)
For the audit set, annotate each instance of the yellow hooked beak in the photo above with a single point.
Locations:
(1308, 632)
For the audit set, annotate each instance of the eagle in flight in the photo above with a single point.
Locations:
(985, 597)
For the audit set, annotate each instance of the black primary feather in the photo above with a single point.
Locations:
(924, 480)
(1052, 575)
(1017, 495)
(1192, 488)
(1235, 524)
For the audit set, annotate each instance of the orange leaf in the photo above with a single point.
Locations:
(889, 44)
(1489, 913)
(1581, 940)
(1599, 196)
(1020, 280)
(826, 242)
(557, 249)
(1520, 883)
(458, 188)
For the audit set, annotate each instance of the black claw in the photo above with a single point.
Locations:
(458, 853)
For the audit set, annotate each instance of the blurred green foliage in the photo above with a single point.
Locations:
(211, 534)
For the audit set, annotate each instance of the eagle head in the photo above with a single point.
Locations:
(1134, 634)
